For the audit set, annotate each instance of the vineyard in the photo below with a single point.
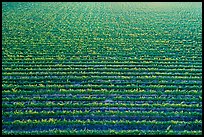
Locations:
(101, 68)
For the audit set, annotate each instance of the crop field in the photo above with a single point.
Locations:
(102, 68)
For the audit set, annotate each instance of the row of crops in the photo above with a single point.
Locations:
(101, 68)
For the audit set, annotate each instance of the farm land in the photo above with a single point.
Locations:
(101, 68)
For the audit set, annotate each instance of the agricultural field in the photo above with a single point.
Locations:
(102, 68)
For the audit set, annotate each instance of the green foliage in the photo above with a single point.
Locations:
(66, 64)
